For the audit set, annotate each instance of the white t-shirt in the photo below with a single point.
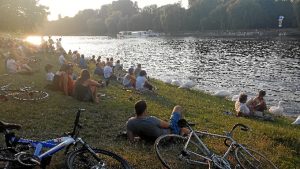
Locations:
(140, 81)
(61, 59)
(107, 71)
(242, 108)
(11, 66)
(58, 45)
(49, 76)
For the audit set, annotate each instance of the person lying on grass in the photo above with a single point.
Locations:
(149, 128)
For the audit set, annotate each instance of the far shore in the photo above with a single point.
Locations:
(249, 33)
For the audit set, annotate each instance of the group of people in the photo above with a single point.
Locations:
(252, 107)
(82, 88)
(17, 56)
(49, 46)
(137, 79)
(148, 127)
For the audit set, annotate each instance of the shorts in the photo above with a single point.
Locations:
(175, 117)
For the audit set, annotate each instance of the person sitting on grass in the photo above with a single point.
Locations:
(82, 62)
(50, 74)
(66, 83)
(118, 70)
(258, 103)
(240, 106)
(93, 60)
(107, 72)
(148, 127)
(142, 82)
(129, 79)
(99, 69)
(14, 66)
(138, 70)
(85, 88)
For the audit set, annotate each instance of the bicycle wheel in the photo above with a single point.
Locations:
(83, 159)
(6, 157)
(8, 160)
(169, 149)
(256, 161)
(34, 95)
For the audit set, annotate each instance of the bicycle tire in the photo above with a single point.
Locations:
(78, 159)
(248, 162)
(33, 95)
(8, 160)
(169, 150)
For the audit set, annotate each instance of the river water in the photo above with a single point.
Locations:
(214, 64)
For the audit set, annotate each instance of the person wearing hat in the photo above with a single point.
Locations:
(129, 79)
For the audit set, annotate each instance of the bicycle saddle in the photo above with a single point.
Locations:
(9, 126)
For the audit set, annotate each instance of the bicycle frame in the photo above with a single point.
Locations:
(54, 145)
(209, 155)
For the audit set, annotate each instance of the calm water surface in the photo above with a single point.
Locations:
(234, 65)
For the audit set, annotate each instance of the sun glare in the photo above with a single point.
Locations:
(36, 40)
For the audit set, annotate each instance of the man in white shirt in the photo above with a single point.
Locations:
(142, 82)
(240, 106)
(11, 65)
(107, 72)
(61, 59)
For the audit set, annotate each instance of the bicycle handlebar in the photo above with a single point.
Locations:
(243, 127)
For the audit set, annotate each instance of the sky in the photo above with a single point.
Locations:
(71, 7)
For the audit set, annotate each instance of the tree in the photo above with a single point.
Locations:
(245, 14)
(112, 23)
(25, 15)
(171, 17)
(296, 7)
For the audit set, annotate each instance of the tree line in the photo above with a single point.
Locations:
(21, 15)
(123, 15)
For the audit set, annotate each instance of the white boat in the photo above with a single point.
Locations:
(136, 34)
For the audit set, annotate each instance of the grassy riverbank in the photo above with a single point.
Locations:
(278, 140)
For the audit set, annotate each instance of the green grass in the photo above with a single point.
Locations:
(278, 140)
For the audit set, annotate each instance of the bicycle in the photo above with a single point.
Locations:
(22, 94)
(175, 151)
(25, 153)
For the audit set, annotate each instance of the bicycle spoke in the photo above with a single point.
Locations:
(250, 159)
(170, 150)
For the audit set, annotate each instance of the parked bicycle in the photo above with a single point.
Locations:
(23, 94)
(25, 153)
(175, 151)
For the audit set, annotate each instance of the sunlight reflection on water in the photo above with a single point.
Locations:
(234, 65)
